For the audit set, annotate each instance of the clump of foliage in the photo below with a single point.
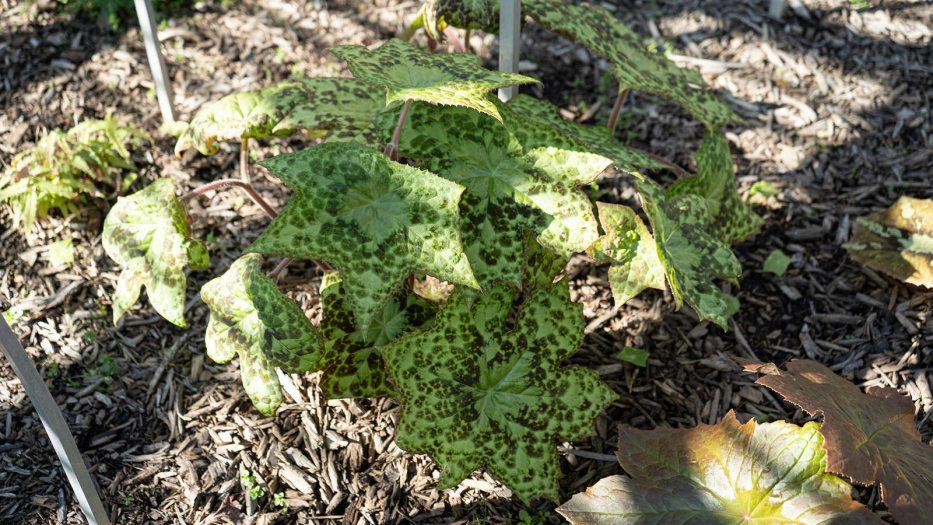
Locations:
(897, 241)
(67, 168)
(423, 175)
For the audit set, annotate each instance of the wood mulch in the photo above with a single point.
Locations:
(837, 102)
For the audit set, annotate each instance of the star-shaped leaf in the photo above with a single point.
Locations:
(251, 318)
(570, 135)
(868, 438)
(634, 66)
(346, 108)
(631, 249)
(375, 219)
(691, 256)
(897, 241)
(354, 364)
(731, 220)
(248, 114)
(477, 394)
(409, 73)
(507, 189)
(148, 233)
(728, 473)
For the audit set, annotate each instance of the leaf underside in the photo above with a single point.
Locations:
(478, 394)
(897, 241)
(147, 233)
(251, 318)
(634, 66)
(868, 438)
(728, 473)
(409, 73)
(630, 249)
(508, 190)
(354, 364)
(731, 219)
(691, 256)
(376, 220)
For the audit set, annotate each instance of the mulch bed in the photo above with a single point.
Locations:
(837, 105)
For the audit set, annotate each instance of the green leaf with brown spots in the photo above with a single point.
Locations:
(869, 438)
(897, 241)
(409, 73)
(376, 220)
(630, 249)
(148, 233)
(691, 256)
(249, 114)
(346, 108)
(354, 365)
(723, 474)
(478, 393)
(731, 219)
(508, 190)
(536, 123)
(251, 318)
(634, 66)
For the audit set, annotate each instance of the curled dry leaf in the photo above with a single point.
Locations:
(897, 241)
(868, 438)
(728, 473)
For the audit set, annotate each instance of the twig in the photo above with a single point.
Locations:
(244, 160)
(466, 40)
(391, 150)
(614, 116)
(223, 183)
(609, 458)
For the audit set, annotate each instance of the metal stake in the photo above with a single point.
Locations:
(156, 63)
(54, 422)
(510, 27)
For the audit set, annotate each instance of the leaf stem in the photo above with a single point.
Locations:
(452, 35)
(279, 268)
(244, 160)
(466, 40)
(391, 150)
(614, 116)
(680, 172)
(223, 183)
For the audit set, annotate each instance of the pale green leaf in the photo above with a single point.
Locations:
(731, 219)
(148, 233)
(250, 316)
(630, 249)
(61, 253)
(477, 394)
(634, 66)
(723, 474)
(897, 241)
(376, 220)
(776, 263)
(409, 73)
(636, 356)
(691, 256)
(248, 114)
(508, 190)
